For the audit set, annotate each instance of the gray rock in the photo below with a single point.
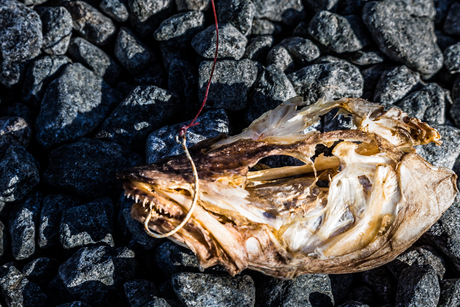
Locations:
(395, 83)
(360, 30)
(258, 47)
(427, 104)
(93, 274)
(88, 167)
(131, 52)
(330, 80)
(302, 50)
(451, 24)
(41, 270)
(161, 143)
(74, 105)
(363, 58)
(197, 289)
(334, 31)
(180, 28)
(13, 131)
(272, 88)
(262, 27)
(319, 5)
(90, 23)
(116, 9)
(23, 226)
(4, 244)
(307, 290)
(382, 284)
(333, 121)
(57, 29)
(193, 5)
(17, 290)
(18, 174)
(239, 13)
(146, 15)
(87, 225)
(230, 84)
(141, 292)
(280, 57)
(417, 286)
(452, 58)
(279, 10)
(371, 77)
(405, 34)
(172, 258)
(20, 39)
(183, 81)
(454, 111)
(75, 304)
(95, 59)
(232, 43)
(39, 74)
(145, 109)
(450, 293)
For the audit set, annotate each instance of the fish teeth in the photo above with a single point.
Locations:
(136, 199)
(144, 202)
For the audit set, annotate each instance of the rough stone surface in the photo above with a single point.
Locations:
(57, 29)
(382, 284)
(454, 111)
(140, 292)
(41, 270)
(363, 58)
(116, 9)
(452, 58)
(239, 13)
(395, 83)
(146, 15)
(4, 244)
(262, 27)
(193, 5)
(278, 10)
(231, 83)
(88, 167)
(258, 47)
(172, 259)
(13, 131)
(180, 28)
(280, 57)
(418, 286)
(450, 293)
(197, 289)
(302, 50)
(451, 24)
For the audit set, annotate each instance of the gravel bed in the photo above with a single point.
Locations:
(88, 88)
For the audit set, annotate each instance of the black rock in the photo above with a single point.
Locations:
(20, 39)
(75, 304)
(141, 292)
(335, 32)
(57, 29)
(146, 15)
(18, 174)
(13, 131)
(145, 109)
(232, 43)
(172, 258)
(280, 57)
(197, 289)
(363, 58)
(454, 111)
(450, 293)
(371, 77)
(180, 28)
(193, 5)
(23, 226)
(360, 30)
(95, 275)
(154, 74)
(90, 23)
(41, 271)
(73, 106)
(302, 50)
(262, 27)
(39, 74)
(88, 167)
(382, 284)
(3, 239)
(319, 5)
(395, 83)
(452, 58)
(231, 83)
(288, 11)
(333, 121)
(258, 47)
(360, 294)
(451, 24)
(405, 34)
(353, 304)
(95, 59)
(237, 12)
(418, 286)
(444, 40)
(116, 9)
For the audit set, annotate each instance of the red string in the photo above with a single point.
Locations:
(184, 128)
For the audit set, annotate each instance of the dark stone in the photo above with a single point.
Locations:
(361, 294)
(452, 58)
(280, 57)
(363, 58)
(88, 167)
(3, 239)
(13, 131)
(23, 226)
(319, 5)
(19, 109)
(145, 109)
(20, 39)
(75, 304)
(73, 106)
(95, 274)
(451, 24)
(172, 258)
(302, 50)
(450, 293)
(382, 284)
(232, 43)
(288, 11)
(258, 47)
(454, 111)
(95, 59)
(353, 304)
(18, 174)
(335, 32)
(395, 83)
(41, 271)
(197, 289)
(262, 27)
(154, 74)
(417, 286)
(405, 34)
(230, 84)
(360, 30)
(57, 29)
(39, 75)
(141, 292)
(444, 40)
(237, 12)
(193, 5)
(333, 121)
(146, 15)
(90, 23)
(116, 9)
(180, 28)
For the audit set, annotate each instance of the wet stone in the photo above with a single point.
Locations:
(87, 224)
(41, 271)
(193, 5)
(405, 34)
(23, 226)
(20, 39)
(330, 80)
(131, 52)
(95, 59)
(231, 83)
(334, 31)
(382, 284)
(141, 292)
(271, 89)
(363, 58)
(452, 58)
(95, 275)
(88, 167)
(418, 286)
(258, 48)
(13, 131)
(302, 50)
(180, 28)
(280, 57)
(262, 27)
(161, 143)
(17, 290)
(172, 258)
(90, 23)
(74, 105)
(19, 174)
(232, 43)
(198, 289)
(451, 24)
(57, 29)
(116, 9)
(284, 11)
(237, 12)
(145, 109)
(450, 293)
(395, 83)
(39, 74)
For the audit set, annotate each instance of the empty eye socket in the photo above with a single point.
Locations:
(365, 182)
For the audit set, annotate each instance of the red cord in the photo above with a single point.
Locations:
(184, 128)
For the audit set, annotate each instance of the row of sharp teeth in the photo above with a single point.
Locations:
(144, 202)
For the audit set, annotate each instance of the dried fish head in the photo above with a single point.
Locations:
(351, 210)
